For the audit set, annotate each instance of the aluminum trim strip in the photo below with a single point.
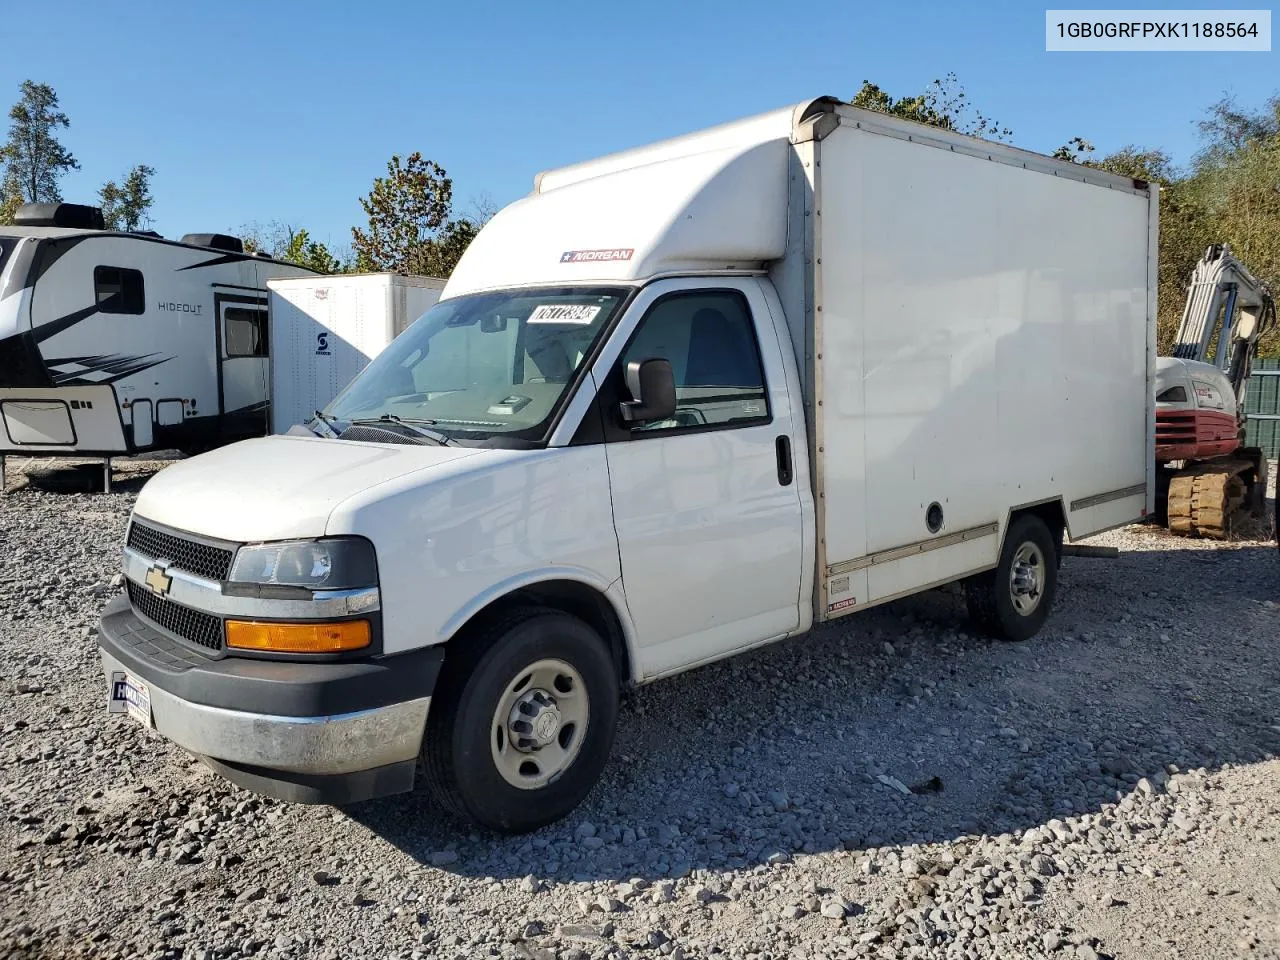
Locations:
(913, 549)
(1138, 489)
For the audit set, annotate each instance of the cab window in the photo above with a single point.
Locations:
(710, 341)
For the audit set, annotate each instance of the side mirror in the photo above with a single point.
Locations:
(653, 391)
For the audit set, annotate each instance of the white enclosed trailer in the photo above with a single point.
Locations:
(678, 403)
(325, 330)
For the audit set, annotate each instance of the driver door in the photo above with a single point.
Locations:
(707, 514)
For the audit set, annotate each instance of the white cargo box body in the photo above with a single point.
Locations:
(973, 324)
(978, 331)
(324, 330)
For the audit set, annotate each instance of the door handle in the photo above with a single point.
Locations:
(783, 447)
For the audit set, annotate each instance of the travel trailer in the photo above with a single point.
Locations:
(118, 343)
(678, 403)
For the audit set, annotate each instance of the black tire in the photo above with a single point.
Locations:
(990, 596)
(458, 763)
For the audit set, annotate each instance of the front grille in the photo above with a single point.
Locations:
(202, 559)
(201, 628)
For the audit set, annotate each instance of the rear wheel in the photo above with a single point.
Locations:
(1013, 600)
(523, 721)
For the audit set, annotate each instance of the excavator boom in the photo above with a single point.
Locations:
(1227, 310)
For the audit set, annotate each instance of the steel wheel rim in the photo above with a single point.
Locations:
(539, 724)
(1026, 578)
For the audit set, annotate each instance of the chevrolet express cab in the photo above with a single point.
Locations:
(677, 403)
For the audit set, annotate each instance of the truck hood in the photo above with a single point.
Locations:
(278, 487)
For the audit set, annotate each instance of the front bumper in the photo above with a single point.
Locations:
(308, 732)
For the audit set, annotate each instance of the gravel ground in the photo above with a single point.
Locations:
(889, 786)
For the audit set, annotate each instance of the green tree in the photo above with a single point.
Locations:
(280, 241)
(10, 198)
(1075, 150)
(1228, 129)
(1153, 166)
(438, 256)
(266, 238)
(1235, 182)
(312, 254)
(943, 103)
(411, 226)
(33, 155)
(126, 206)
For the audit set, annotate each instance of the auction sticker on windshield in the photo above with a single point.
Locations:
(563, 313)
(130, 695)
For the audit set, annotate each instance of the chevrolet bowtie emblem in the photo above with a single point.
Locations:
(158, 580)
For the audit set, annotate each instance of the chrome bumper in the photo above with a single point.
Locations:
(326, 745)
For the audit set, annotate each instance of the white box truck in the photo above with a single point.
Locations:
(677, 403)
(326, 329)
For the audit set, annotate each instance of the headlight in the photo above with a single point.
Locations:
(343, 563)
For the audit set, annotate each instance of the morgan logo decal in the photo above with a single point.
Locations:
(595, 256)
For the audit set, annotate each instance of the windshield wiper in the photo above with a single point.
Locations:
(415, 423)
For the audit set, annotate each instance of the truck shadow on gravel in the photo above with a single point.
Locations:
(901, 726)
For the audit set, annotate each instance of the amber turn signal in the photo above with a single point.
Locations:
(333, 637)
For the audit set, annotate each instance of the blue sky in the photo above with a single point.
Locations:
(282, 111)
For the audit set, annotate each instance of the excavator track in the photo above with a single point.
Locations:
(1203, 499)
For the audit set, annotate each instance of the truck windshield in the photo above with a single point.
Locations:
(483, 365)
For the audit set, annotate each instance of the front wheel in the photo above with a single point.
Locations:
(1014, 599)
(523, 721)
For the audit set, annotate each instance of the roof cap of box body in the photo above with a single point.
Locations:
(750, 130)
(673, 205)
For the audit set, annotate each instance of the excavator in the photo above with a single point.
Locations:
(1205, 474)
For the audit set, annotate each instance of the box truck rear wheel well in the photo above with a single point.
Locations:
(568, 596)
(1013, 599)
(1053, 515)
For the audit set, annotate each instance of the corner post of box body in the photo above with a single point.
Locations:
(1153, 284)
